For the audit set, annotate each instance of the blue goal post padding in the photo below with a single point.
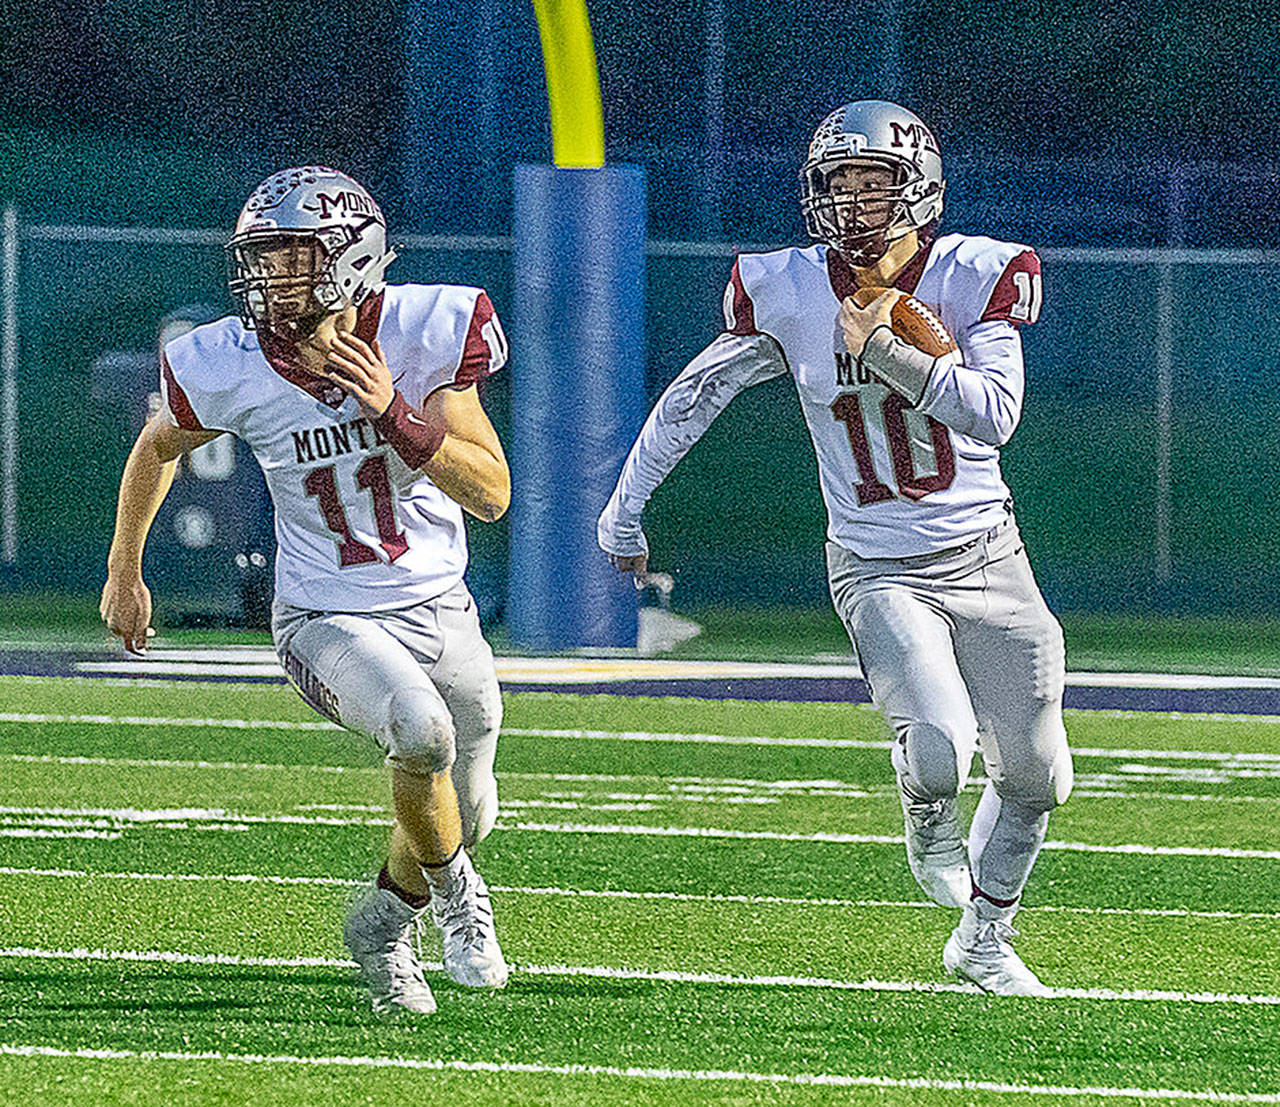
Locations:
(578, 399)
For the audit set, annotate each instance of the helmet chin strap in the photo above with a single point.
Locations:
(863, 261)
(857, 250)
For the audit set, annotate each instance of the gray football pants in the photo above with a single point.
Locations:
(961, 653)
(419, 681)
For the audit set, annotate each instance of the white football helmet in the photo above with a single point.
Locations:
(861, 224)
(309, 241)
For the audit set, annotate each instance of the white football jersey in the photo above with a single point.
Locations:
(356, 528)
(900, 481)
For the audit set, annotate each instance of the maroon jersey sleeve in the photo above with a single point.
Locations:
(485, 350)
(739, 311)
(1018, 293)
(179, 405)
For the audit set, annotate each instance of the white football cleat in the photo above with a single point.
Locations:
(980, 951)
(472, 956)
(380, 932)
(935, 850)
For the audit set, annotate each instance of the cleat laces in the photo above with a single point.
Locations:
(935, 825)
(997, 935)
(467, 918)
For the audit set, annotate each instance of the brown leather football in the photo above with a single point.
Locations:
(912, 321)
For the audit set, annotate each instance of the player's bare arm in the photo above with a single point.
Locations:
(470, 465)
(462, 453)
(148, 474)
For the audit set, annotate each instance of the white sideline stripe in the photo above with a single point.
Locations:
(666, 976)
(816, 1079)
(179, 668)
(819, 787)
(262, 661)
(76, 816)
(640, 736)
(878, 839)
(618, 893)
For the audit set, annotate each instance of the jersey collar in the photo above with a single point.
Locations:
(844, 281)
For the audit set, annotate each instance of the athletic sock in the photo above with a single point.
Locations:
(1004, 842)
(385, 882)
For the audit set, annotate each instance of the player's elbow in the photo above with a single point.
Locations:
(500, 499)
(993, 427)
(495, 495)
(996, 419)
(1003, 423)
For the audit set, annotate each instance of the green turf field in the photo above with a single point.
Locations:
(703, 903)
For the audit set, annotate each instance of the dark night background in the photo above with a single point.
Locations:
(1066, 126)
(150, 111)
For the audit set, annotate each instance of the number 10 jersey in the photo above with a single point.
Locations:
(900, 480)
(356, 528)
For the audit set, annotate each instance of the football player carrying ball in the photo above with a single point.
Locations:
(905, 350)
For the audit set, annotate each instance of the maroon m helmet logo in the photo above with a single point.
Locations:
(916, 135)
(344, 203)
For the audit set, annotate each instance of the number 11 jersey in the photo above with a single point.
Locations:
(356, 528)
(900, 480)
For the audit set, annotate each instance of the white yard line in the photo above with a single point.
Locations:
(623, 894)
(167, 720)
(169, 763)
(16, 820)
(877, 839)
(669, 976)
(692, 1076)
(1267, 759)
(1094, 785)
(194, 878)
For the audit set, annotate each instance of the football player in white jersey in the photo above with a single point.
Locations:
(359, 400)
(925, 564)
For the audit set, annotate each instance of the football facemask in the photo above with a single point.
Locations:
(309, 241)
(276, 280)
(856, 206)
(871, 133)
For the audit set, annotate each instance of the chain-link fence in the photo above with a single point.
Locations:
(1140, 471)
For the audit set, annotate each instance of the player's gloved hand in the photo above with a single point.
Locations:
(126, 609)
(624, 542)
(856, 323)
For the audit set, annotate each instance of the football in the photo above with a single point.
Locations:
(912, 321)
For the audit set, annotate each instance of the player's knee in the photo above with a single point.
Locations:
(1043, 782)
(480, 721)
(420, 736)
(938, 759)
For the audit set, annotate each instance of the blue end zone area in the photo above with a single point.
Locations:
(713, 680)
